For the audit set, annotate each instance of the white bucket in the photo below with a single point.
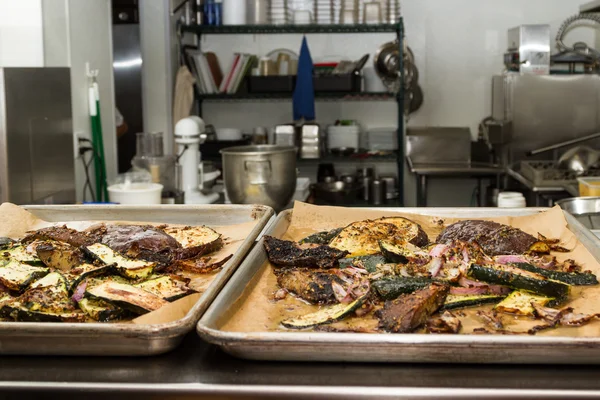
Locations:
(135, 193)
(511, 200)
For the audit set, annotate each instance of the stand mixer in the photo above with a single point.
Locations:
(189, 135)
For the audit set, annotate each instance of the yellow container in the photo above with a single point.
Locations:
(589, 186)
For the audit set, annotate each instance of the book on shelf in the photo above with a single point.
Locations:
(206, 71)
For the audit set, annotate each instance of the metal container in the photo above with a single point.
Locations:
(260, 174)
(338, 192)
(126, 339)
(585, 209)
(378, 192)
(392, 347)
(390, 186)
(366, 192)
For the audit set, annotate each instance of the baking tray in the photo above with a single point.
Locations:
(388, 347)
(122, 339)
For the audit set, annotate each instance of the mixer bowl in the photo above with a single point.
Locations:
(260, 174)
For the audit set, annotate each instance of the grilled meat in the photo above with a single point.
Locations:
(410, 311)
(446, 323)
(63, 234)
(494, 238)
(288, 253)
(145, 242)
(313, 286)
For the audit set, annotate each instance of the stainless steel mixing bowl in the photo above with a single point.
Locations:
(260, 174)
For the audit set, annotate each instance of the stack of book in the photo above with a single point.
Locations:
(209, 78)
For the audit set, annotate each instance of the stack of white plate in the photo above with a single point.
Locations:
(382, 139)
(350, 12)
(343, 136)
(393, 11)
(324, 11)
(279, 12)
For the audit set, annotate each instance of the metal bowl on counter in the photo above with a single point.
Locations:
(338, 192)
(264, 174)
(585, 209)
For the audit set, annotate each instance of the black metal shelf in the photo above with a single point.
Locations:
(340, 96)
(272, 29)
(392, 157)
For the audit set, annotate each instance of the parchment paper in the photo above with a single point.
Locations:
(15, 222)
(257, 311)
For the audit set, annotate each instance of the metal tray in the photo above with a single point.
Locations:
(123, 339)
(386, 347)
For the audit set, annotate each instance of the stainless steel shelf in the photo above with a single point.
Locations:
(274, 29)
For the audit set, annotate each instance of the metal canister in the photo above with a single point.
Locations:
(366, 190)
(378, 192)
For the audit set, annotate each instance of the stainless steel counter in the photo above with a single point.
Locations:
(198, 370)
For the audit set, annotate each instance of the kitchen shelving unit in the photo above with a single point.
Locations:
(397, 28)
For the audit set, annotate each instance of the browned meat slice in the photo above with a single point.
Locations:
(145, 242)
(494, 238)
(446, 323)
(62, 234)
(313, 286)
(410, 311)
(288, 253)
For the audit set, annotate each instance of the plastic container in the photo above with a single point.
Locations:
(234, 12)
(228, 134)
(589, 186)
(511, 200)
(135, 188)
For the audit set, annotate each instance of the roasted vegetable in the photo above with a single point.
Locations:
(287, 253)
(410, 311)
(20, 254)
(520, 302)
(198, 265)
(314, 286)
(321, 237)
(59, 255)
(54, 279)
(517, 278)
(369, 263)
(362, 238)
(100, 310)
(86, 270)
(6, 243)
(195, 240)
(167, 287)
(125, 266)
(62, 234)
(126, 296)
(391, 288)
(17, 276)
(446, 323)
(572, 278)
(403, 253)
(325, 315)
(462, 301)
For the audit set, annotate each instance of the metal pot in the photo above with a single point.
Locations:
(263, 174)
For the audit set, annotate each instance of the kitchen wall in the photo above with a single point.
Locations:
(21, 33)
(458, 45)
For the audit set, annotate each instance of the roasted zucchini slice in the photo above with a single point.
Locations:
(517, 278)
(83, 271)
(369, 263)
(59, 255)
(392, 288)
(6, 243)
(362, 238)
(462, 301)
(571, 278)
(127, 267)
(100, 310)
(402, 253)
(20, 254)
(167, 287)
(53, 279)
(195, 240)
(321, 237)
(409, 230)
(519, 302)
(17, 276)
(126, 296)
(325, 315)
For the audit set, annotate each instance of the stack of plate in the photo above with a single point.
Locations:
(382, 139)
(343, 137)
(279, 12)
(393, 11)
(324, 11)
(301, 11)
(350, 12)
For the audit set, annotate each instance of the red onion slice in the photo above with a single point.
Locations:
(507, 259)
(464, 282)
(469, 290)
(438, 250)
(435, 266)
(340, 293)
(79, 292)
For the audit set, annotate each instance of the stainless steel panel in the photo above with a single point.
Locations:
(386, 347)
(438, 145)
(125, 338)
(38, 136)
(532, 42)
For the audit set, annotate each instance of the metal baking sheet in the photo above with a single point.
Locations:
(386, 347)
(123, 339)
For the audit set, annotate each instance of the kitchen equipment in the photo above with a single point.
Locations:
(324, 171)
(228, 134)
(337, 192)
(390, 186)
(378, 192)
(438, 145)
(260, 174)
(127, 339)
(234, 12)
(579, 159)
(511, 200)
(302, 17)
(382, 139)
(392, 347)
(589, 186)
(310, 146)
(339, 136)
(37, 149)
(342, 151)
(585, 209)
(545, 173)
(365, 171)
(129, 191)
(372, 81)
(529, 49)
(189, 134)
(372, 13)
(348, 179)
(329, 179)
(366, 187)
(285, 135)
(258, 12)
(387, 64)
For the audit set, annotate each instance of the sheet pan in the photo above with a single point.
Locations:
(123, 339)
(385, 347)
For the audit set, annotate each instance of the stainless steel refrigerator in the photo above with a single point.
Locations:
(36, 136)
